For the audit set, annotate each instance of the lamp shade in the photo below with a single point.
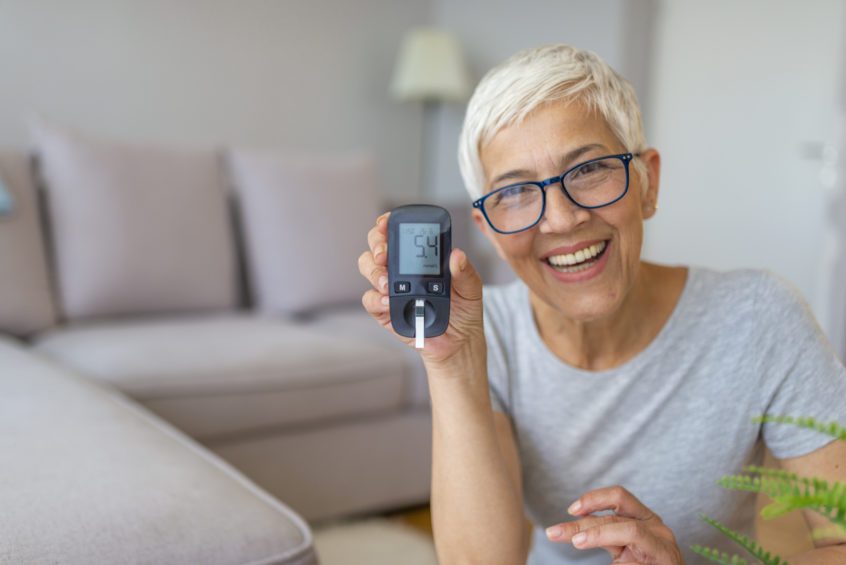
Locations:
(430, 67)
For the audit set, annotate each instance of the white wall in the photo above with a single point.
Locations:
(741, 91)
(307, 74)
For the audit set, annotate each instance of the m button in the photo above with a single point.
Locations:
(435, 287)
(402, 287)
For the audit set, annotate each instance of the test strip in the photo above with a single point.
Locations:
(419, 318)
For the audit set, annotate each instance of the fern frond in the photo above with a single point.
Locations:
(791, 492)
(718, 556)
(749, 545)
(834, 532)
(832, 429)
(769, 472)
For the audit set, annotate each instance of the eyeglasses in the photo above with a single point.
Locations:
(592, 184)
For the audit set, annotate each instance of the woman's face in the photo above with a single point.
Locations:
(553, 138)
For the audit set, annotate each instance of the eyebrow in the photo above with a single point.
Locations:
(517, 174)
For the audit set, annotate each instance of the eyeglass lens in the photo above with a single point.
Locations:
(592, 184)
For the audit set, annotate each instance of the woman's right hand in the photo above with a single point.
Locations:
(465, 332)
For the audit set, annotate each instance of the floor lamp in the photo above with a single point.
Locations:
(429, 70)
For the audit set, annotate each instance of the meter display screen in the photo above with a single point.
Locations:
(419, 249)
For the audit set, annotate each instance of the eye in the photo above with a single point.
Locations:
(514, 191)
(514, 195)
(589, 168)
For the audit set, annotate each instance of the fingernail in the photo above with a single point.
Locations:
(575, 507)
(383, 282)
(579, 539)
(462, 264)
(554, 532)
(379, 250)
(385, 300)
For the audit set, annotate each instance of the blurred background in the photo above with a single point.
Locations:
(746, 100)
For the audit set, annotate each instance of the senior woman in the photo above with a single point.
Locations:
(601, 394)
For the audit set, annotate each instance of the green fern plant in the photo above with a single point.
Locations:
(788, 492)
(716, 555)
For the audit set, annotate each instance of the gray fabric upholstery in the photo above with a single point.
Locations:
(305, 221)
(219, 375)
(361, 465)
(26, 300)
(136, 229)
(87, 477)
(355, 321)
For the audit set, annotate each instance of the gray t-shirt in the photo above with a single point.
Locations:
(670, 422)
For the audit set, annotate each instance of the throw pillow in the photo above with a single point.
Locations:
(136, 229)
(305, 224)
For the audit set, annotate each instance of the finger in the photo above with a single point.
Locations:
(628, 533)
(615, 498)
(564, 531)
(466, 281)
(376, 274)
(378, 244)
(377, 239)
(375, 303)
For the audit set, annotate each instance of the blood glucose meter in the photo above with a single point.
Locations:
(419, 245)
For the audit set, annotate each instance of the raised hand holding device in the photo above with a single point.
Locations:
(419, 246)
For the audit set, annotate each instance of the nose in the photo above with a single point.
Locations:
(561, 214)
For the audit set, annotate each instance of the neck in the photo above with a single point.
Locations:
(607, 342)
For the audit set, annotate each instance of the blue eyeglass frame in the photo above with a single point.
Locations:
(626, 158)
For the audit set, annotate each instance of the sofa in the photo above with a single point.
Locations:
(186, 372)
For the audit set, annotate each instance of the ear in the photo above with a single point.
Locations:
(649, 197)
(483, 226)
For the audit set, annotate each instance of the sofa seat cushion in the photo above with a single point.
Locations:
(214, 376)
(93, 478)
(355, 321)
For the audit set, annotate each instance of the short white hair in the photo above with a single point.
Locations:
(512, 90)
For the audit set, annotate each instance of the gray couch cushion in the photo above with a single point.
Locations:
(137, 229)
(355, 321)
(26, 300)
(88, 477)
(219, 375)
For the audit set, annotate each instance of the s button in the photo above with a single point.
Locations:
(435, 287)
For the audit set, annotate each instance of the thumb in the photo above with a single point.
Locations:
(466, 281)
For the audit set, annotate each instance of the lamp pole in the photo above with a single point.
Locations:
(425, 153)
(429, 69)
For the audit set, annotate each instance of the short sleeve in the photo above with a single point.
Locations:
(495, 336)
(806, 379)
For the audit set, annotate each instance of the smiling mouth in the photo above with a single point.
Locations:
(578, 261)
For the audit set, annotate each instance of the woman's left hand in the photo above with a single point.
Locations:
(633, 534)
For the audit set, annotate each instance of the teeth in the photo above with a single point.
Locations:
(577, 257)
